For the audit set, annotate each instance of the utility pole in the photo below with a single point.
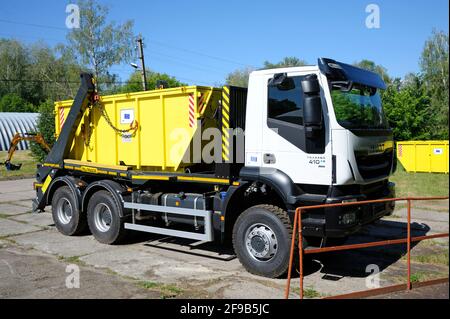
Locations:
(141, 57)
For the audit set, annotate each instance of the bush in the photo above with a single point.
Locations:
(45, 126)
(14, 103)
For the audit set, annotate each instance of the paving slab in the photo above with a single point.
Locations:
(23, 195)
(43, 219)
(248, 290)
(33, 275)
(17, 190)
(12, 209)
(52, 242)
(149, 264)
(9, 227)
(423, 215)
(16, 186)
(25, 203)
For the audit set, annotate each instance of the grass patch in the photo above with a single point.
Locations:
(419, 184)
(167, 291)
(27, 170)
(418, 277)
(436, 259)
(72, 260)
(311, 293)
(308, 292)
(434, 243)
(6, 238)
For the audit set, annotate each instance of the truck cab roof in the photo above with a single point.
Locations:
(335, 71)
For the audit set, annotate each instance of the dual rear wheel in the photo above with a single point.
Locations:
(102, 218)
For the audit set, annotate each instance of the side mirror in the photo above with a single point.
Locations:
(312, 105)
(310, 85)
(312, 111)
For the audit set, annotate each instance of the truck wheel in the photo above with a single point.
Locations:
(67, 218)
(104, 220)
(261, 238)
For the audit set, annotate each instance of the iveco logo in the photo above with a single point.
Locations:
(334, 65)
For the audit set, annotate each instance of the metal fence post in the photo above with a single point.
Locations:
(291, 256)
(408, 244)
(300, 251)
(373, 292)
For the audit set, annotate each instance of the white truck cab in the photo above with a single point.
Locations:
(323, 129)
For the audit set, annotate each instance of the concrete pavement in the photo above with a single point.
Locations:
(151, 266)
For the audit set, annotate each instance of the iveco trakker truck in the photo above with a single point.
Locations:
(227, 164)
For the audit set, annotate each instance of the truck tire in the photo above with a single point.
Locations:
(104, 219)
(68, 219)
(261, 239)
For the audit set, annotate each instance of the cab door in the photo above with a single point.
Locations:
(286, 145)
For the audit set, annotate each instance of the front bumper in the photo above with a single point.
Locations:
(338, 222)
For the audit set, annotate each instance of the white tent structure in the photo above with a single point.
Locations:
(12, 123)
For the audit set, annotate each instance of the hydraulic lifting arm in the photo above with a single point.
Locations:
(45, 173)
(18, 137)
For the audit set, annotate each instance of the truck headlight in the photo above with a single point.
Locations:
(347, 218)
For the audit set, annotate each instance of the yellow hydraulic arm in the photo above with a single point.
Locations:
(17, 138)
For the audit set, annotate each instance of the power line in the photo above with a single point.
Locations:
(186, 62)
(153, 41)
(68, 82)
(34, 25)
(13, 36)
(189, 66)
(202, 54)
(101, 82)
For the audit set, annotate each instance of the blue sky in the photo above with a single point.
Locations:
(201, 41)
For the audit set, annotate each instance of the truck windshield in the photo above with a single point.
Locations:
(359, 108)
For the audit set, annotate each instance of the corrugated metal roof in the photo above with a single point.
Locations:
(12, 123)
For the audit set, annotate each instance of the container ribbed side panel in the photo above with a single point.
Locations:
(12, 123)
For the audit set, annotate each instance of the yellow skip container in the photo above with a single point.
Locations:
(165, 120)
(423, 156)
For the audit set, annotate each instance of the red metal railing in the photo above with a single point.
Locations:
(297, 229)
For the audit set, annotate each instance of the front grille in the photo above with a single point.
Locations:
(374, 166)
(375, 190)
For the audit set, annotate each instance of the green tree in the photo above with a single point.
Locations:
(434, 64)
(134, 82)
(57, 71)
(14, 67)
(37, 72)
(100, 44)
(239, 77)
(286, 62)
(407, 108)
(12, 102)
(45, 126)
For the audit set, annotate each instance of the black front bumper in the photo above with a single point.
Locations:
(338, 222)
